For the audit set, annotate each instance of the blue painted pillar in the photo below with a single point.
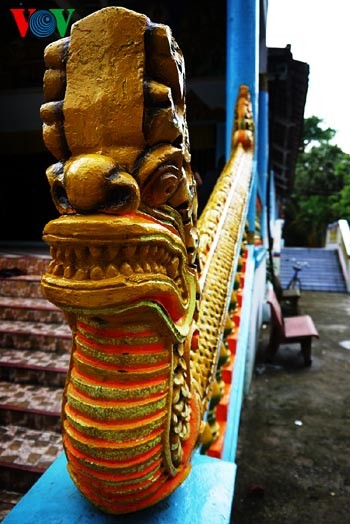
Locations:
(242, 57)
(243, 68)
(274, 211)
(263, 151)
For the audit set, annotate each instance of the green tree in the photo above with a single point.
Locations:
(341, 207)
(321, 187)
(313, 132)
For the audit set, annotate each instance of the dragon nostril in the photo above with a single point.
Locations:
(60, 198)
(118, 197)
(122, 194)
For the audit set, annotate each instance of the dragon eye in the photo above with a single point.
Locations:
(161, 185)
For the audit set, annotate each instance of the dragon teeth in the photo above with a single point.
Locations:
(144, 251)
(96, 273)
(58, 270)
(129, 251)
(160, 253)
(153, 250)
(96, 251)
(112, 271)
(126, 269)
(68, 271)
(81, 254)
(97, 262)
(173, 267)
(147, 268)
(81, 274)
(137, 268)
(70, 254)
(111, 253)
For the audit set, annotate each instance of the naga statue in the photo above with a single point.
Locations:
(126, 259)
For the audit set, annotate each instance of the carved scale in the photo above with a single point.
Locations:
(125, 256)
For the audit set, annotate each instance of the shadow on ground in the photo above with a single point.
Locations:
(293, 452)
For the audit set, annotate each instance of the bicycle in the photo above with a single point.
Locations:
(295, 281)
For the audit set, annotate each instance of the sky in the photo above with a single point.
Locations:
(319, 34)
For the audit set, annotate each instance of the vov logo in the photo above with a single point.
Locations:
(40, 22)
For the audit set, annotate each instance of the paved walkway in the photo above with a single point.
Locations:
(294, 443)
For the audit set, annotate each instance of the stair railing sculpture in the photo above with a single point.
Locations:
(146, 320)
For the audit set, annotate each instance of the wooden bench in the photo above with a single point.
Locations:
(283, 330)
(290, 301)
(288, 298)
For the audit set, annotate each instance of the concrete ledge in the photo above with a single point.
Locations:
(205, 497)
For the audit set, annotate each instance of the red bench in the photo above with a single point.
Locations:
(283, 330)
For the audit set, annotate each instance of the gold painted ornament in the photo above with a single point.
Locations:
(126, 256)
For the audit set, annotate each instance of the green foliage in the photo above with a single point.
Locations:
(341, 207)
(321, 191)
(316, 171)
(313, 132)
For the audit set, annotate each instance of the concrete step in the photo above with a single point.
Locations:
(28, 263)
(8, 500)
(35, 335)
(35, 344)
(30, 406)
(25, 454)
(325, 287)
(25, 286)
(322, 272)
(33, 367)
(30, 310)
(316, 276)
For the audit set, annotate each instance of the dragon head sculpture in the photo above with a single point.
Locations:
(124, 256)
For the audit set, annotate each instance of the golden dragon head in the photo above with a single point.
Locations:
(124, 255)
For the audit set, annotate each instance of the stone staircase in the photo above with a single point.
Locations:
(34, 357)
(322, 271)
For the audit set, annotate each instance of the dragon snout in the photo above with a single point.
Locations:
(92, 183)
